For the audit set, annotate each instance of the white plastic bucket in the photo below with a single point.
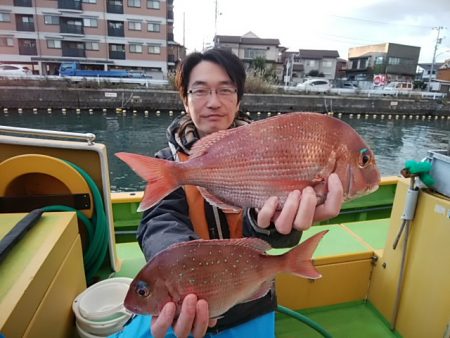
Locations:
(99, 309)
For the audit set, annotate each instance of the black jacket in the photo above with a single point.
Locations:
(168, 222)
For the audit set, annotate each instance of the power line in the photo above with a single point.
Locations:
(379, 22)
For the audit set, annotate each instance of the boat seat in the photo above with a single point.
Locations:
(344, 257)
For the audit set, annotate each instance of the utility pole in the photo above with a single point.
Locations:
(184, 29)
(438, 41)
(215, 20)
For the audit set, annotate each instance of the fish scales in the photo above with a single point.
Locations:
(244, 166)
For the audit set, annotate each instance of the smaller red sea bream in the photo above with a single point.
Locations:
(222, 272)
(244, 166)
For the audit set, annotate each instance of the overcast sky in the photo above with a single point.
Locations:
(319, 24)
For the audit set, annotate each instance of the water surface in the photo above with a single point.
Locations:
(393, 141)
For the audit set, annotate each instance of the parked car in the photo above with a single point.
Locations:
(14, 70)
(314, 85)
(399, 86)
(350, 85)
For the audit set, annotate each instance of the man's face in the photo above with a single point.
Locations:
(212, 100)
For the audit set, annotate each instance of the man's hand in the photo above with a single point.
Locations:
(193, 319)
(300, 209)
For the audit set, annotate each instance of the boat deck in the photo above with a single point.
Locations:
(349, 242)
(349, 320)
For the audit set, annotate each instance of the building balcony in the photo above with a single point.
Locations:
(22, 3)
(114, 8)
(73, 52)
(170, 37)
(118, 55)
(25, 26)
(71, 29)
(116, 32)
(26, 50)
(70, 4)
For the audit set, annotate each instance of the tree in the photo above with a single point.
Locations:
(260, 69)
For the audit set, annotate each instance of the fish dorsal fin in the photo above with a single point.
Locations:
(253, 243)
(213, 200)
(201, 146)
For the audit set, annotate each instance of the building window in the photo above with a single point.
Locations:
(394, 61)
(135, 48)
(117, 48)
(91, 45)
(134, 25)
(153, 27)
(51, 20)
(153, 4)
(253, 53)
(54, 44)
(5, 17)
(6, 41)
(89, 1)
(90, 22)
(327, 64)
(379, 60)
(154, 49)
(134, 3)
(310, 63)
(362, 63)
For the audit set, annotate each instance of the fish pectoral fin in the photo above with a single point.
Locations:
(260, 292)
(327, 169)
(213, 200)
(321, 190)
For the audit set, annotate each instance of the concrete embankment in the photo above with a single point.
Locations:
(152, 99)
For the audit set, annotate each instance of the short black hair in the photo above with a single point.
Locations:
(224, 58)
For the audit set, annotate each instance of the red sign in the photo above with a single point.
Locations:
(379, 80)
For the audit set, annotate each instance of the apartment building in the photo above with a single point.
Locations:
(394, 61)
(99, 34)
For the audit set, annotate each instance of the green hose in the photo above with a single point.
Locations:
(312, 324)
(96, 228)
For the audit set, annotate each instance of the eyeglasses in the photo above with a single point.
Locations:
(201, 93)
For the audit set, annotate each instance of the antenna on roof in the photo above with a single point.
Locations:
(215, 20)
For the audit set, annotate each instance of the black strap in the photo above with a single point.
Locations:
(18, 231)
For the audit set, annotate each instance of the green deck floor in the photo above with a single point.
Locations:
(351, 320)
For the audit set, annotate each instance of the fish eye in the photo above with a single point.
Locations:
(364, 158)
(142, 289)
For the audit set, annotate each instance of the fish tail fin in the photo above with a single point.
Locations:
(162, 176)
(299, 259)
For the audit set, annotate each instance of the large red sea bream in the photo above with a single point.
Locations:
(222, 272)
(244, 166)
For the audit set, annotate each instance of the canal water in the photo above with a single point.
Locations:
(393, 140)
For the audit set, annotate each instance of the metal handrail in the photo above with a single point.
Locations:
(89, 137)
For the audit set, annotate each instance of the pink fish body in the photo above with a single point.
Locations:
(244, 166)
(222, 272)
